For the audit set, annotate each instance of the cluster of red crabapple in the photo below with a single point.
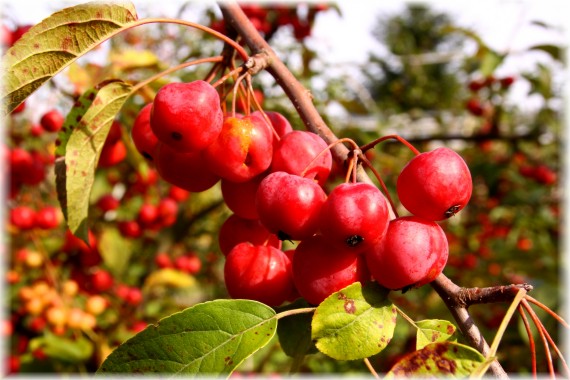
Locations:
(272, 178)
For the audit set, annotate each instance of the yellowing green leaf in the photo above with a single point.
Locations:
(87, 127)
(54, 43)
(438, 360)
(354, 323)
(116, 250)
(434, 330)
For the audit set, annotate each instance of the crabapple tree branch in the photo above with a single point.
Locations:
(456, 298)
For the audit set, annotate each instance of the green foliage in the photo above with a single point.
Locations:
(433, 331)
(438, 359)
(83, 150)
(354, 323)
(417, 73)
(485, 239)
(211, 338)
(53, 44)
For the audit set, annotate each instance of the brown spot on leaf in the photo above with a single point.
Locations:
(450, 329)
(349, 306)
(413, 363)
(435, 336)
(36, 46)
(341, 296)
(66, 43)
(228, 360)
(446, 365)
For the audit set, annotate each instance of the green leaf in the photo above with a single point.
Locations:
(54, 43)
(438, 359)
(490, 61)
(294, 332)
(434, 330)
(211, 338)
(554, 51)
(62, 348)
(354, 323)
(75, 175)
(116, 250)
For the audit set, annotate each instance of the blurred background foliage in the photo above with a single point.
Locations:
(424, 88)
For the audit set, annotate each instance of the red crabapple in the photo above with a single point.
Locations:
(52, 121)
(289, 205)
(237, 230)
(355, 216)
(47, 218)
(240, 197)
(142, 135)
(101, 280)
(242, 150)
(187, 116)
(320, 270)
(435, 185)
(23, 217)
(112, 154)
(258, 272)
(413, 253)
(185, 170)
(296, 150)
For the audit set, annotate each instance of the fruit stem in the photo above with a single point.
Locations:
(172, 69)
(381, 182)
(235, 90)
(260, 109)
(372, 144)
(339, 141)
(225, 77)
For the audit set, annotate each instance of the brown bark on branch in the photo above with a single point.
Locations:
(456, 298)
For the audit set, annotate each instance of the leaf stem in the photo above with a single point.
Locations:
(287, 313)
(408, 319)
(371, 369)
